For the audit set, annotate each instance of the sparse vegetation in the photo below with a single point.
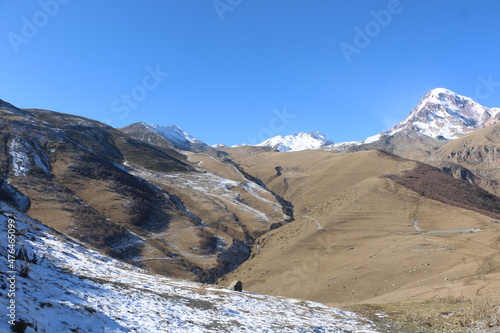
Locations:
(89, 309)
(24, 269)
(433, 183)
(442, 314)
(22, 254)
(420, 318)
(208, 241)
(449, 300)
(145, 200)
(152, 157)
(20, 326)
(93, 228)
(26, 262)
(483, 313)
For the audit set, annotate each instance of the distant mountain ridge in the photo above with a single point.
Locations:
(441, 114)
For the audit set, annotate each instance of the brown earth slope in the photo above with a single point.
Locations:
(361, 235)
(407, 144)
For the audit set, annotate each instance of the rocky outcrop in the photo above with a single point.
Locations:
(483, 159)
(478, 153)
(236, 285)
(13, 197)
(459, 172)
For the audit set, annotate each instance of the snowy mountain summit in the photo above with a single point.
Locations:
(171, 135)
(298, 141)
(443, 113)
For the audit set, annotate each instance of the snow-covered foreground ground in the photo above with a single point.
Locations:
(70, 288)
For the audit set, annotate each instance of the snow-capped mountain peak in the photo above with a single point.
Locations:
(173, 133)
(298, 141)
(444, 113)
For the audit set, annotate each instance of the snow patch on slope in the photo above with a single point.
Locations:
(20, 151)
(173, 133)
(221, 189)
(20, 160)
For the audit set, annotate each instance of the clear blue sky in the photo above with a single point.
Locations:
(222, 69)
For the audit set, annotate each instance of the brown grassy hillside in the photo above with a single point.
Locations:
(142, 203)
(360, 236)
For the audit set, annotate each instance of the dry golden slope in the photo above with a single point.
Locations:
(359, 237)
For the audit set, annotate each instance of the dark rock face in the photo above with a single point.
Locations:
(236, 285)
(13, 197)
(459, 172)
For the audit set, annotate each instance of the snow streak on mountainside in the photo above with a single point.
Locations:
(298, 141)
(70, 288)
(447, 114)
(173, 133)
